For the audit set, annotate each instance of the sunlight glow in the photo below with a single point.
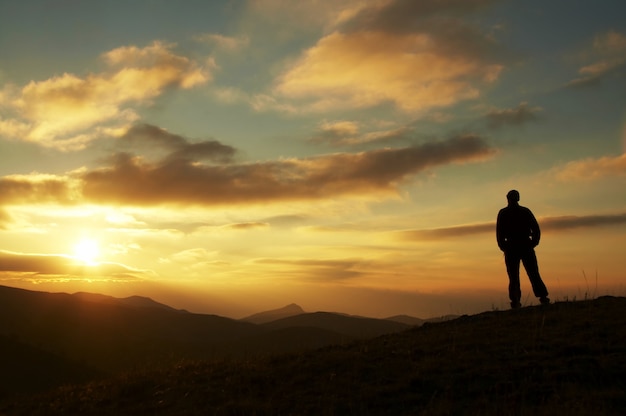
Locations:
(87, 250)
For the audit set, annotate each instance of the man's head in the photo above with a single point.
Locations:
(512, 196)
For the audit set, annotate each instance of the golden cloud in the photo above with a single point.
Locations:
(336, 132)
(415, 55)
(609, 53)
(368, 68)
(66, 112)
(246, 225)
(179, 178)
(322, 269)
(193, 256)
(346, 133)
(592, 169)
(561, 223)
(38, 188)
(131, 180)
(42, 267)
(5, 218)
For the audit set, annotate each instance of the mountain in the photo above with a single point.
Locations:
(114, 335)
(88, 334)
(412, 321)
(135, 301)
(275, 314)
(351, 326)
(407, 320)
(563, 358)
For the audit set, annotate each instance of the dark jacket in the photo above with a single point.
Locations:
(517, 228)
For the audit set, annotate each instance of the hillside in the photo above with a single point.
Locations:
(355, 327)
(565, 358)
(269, 316)
(110, 335)
(28, 369)
(75, 338)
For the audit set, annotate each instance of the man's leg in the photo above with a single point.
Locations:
(512, 259)
(529, 259)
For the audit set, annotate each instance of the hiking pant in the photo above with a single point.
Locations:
(528, 258)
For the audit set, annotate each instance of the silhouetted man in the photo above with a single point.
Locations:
(517, 232)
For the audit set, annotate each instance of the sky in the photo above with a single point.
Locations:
(229, 157)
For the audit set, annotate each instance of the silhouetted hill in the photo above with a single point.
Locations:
(135, 301)
(111, 335)
(27, 369)
(286, 340)
(565, 358)
(355, 327)
(412, 321)
(269, 316)
(407, 320)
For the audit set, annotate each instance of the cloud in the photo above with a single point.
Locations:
(571, 221)
(592, 169)
(286, 220)
(447, 232)
(236, 226)
(222, 42)
(43, 267)
(517, 116)
(562, 223)
(336, 132)
(347, 133)
(407, 16)
(38, 188)
(66, 112)
(131, 180)
(609, 55)
(149, 137)
(5, 219)
(304, 14)
(246, 225)
(193, 256)
(181, 176)
(322, 270)
(416, 55)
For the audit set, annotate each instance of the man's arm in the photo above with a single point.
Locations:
(535, 231)
(500, 231)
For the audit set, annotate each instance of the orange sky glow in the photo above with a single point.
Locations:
(346, 156)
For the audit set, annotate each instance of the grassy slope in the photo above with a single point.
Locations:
(28, 369)
(567, 358)
(114, 335)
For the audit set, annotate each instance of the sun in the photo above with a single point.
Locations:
(87, 250)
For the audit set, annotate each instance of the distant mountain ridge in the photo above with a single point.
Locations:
(408, 320)
(99, 334)
(413, 321)
(111, 334)
(355, 327)
(274, 314)
(136, 301)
